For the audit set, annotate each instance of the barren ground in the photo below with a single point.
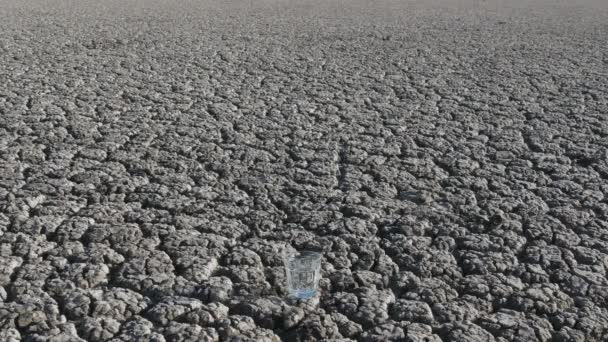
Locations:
(449, 157)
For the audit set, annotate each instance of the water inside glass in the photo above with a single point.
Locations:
(303, 273)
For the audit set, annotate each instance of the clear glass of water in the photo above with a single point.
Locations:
(303, 273)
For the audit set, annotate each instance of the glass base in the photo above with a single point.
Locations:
(304, 294)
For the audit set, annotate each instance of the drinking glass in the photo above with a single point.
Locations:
(303, 273)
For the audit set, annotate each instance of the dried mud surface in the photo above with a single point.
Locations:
(449, 158)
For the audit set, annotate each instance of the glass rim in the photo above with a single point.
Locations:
(304, 254)
(309, 253)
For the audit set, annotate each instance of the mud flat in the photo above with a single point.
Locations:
(449, 159)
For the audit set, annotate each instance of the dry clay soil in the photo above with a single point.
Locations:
(448, 157)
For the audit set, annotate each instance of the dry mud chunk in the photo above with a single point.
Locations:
(466, 332)
(32, 247)
(184, 287)
(385, 266)
(343, 302)
(542, 300)
(532, 273)
(5, 221)
(401, 248)
(86, 275)
(388, 331)
(171, 308)
(92, 153)
(196, 269)
(489, 262)
(33, 155)
(319, 220)
(546, 228)
(576, 219)
(8, 314)
(216, 289)
(123, 238)
(62, 332)
(264, 311)
(151, 276)
(417, 332)
(243, 257)
(8, 265)
(573, 285)
(29, 277)
(433, 263)
(466, 308)
(184, 332)
(138, 329)
(478, 242)
(346, 327)
(187, 222)
(10, 335)
(292, 316)
(364, 255)
(39, 225)
(369, 279)
(39, 301)
(268, 251)
(235, 325)
(404, 281)
(192, 243)
(412, 311)
(93, 253)
(119, 303)
(317, 326)
(513, 325)
(599, 294)
(431, 291)
(372, 306)
(76, 303)
(31, 320)
(244, 328)
(207, 315)
(549, 257)
(73, 228)
(247, 280)
(590, 256)
(567, 334)
(350, 225)
(107, 213)
(98, 329)
(153, 222)
(495, 285)
(227, 228)
(592, 321)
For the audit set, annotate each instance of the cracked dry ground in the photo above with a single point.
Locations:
(451, 161)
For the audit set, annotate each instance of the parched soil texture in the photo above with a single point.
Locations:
(449, 158)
